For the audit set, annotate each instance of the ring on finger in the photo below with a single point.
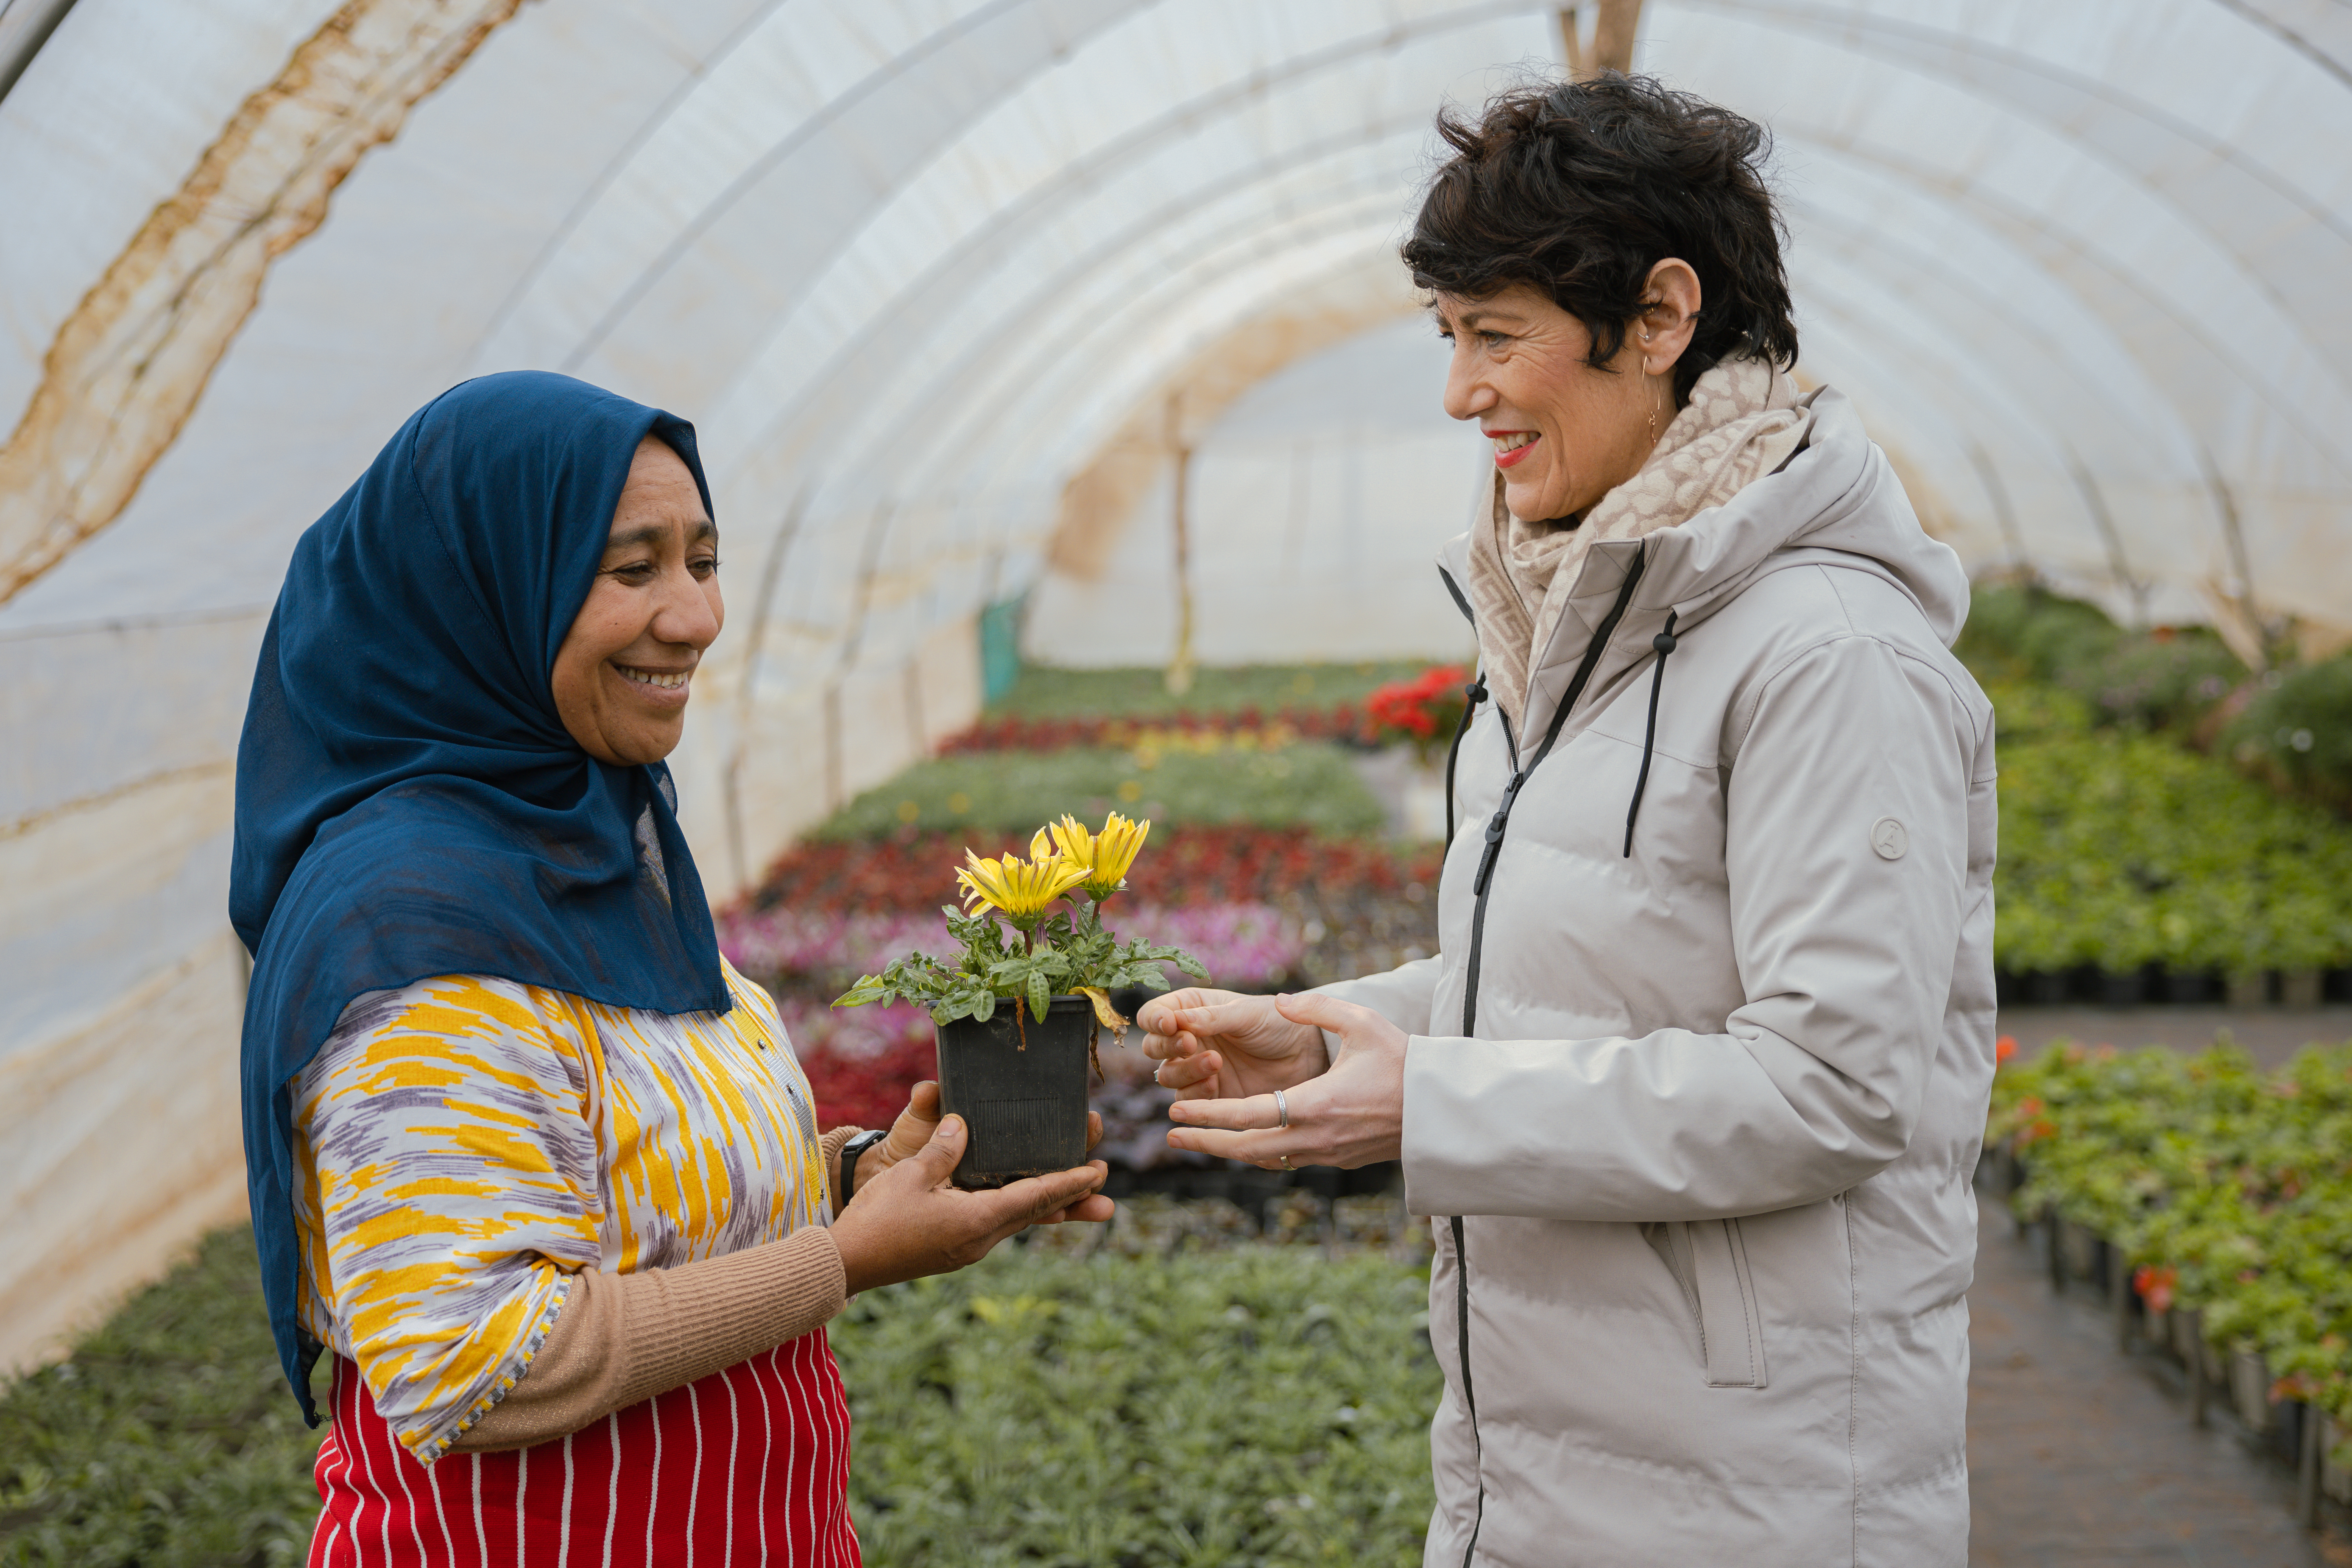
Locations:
(1287, 1164)
(1282, 1111)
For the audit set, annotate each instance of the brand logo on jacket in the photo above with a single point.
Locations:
(1886, 836)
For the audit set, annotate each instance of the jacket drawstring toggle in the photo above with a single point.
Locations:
(1472, 695)
(1664, 643)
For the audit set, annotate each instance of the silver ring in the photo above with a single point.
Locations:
(1282, 1110)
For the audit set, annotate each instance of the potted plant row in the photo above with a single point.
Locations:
(1019, 1008)
(2228, 1192)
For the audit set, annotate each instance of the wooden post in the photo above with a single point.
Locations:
(1612, 36)
(1179, 668)
(1610, 48)
(1572, 41)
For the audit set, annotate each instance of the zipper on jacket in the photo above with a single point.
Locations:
(1501, 822)
(1496, 828)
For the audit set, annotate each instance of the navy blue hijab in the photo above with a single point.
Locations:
(408, 802)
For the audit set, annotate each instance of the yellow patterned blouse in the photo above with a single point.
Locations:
(464, 1145)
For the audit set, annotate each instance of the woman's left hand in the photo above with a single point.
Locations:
(1352, 1115)
(914, 1129)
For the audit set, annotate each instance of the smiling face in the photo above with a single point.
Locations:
(626, 669)
(1566, 432)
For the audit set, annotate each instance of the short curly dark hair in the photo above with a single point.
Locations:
(1580, 188)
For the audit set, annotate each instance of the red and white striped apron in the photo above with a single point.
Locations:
(747, 1466)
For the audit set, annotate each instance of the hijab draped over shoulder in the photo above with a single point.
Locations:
(409, 802)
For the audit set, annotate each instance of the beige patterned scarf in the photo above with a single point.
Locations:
(1742, 423)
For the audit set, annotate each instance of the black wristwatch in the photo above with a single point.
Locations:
(849, 1154)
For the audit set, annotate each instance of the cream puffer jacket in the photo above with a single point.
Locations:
(1706, 1101)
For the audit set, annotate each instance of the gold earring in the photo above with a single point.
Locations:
(1653, 423)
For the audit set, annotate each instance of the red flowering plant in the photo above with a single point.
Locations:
(1014, 733)
(1198, 864)
(1425, 710)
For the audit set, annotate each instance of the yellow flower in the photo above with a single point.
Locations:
(1022, 889)
(1106, 855)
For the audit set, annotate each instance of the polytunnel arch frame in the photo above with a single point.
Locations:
(1008, 508)
(2209, 476)
(949, 385)
(2079, 471)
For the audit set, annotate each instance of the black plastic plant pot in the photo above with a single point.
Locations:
(1019, 1084)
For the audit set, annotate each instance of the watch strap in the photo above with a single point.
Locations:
(849, 1154)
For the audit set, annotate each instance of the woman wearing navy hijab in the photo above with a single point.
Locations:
(525, 1153)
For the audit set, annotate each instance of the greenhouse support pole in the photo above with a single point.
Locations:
(2241, 590)
(25, 26)
(1614, 23)
(1179, 668)
(1988, 475)
(746, 689)
(2094, 501)
(1571, 42)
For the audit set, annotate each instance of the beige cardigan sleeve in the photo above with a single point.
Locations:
(622, 1337)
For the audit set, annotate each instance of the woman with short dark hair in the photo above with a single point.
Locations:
(1696, 1082)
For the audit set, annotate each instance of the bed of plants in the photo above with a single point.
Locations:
(2132, 845)
(2121, 849)
(1138, 694)
(2169, 678)
(2227, 1190)
(167, 1438)
(1268, 861)
(1205, 778)
(1263, 1404)
(2294, 731)
(2142, 829)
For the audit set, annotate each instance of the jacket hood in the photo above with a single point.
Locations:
(1836, 502)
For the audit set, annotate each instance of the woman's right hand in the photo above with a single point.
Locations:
(912, 1221)
(1223, 1044)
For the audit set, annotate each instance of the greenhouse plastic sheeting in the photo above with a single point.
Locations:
(922, 270)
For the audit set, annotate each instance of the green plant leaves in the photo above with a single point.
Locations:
(1312, 785)
(2121, 849)
(1260, 1406)
(1069, 950)
(169, 1438)
(2236, 1183)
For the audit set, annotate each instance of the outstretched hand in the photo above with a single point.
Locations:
(1351, 1115)
(913, 1221)
(1216, 1044)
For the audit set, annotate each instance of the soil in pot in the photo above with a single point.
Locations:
(1019, 1084)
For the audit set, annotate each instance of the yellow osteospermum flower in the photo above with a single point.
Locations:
(1022, 889)
(1106, 855)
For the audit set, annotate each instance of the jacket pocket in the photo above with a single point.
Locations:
(1709, 1261)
